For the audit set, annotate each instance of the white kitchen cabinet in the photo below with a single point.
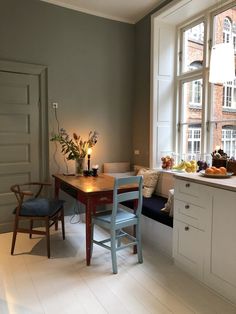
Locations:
(204, 232)
(187, 248)
(191, 217)
(220, 268)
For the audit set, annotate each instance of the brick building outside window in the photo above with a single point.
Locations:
(223, 107)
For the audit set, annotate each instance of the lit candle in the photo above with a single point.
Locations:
(89, 155)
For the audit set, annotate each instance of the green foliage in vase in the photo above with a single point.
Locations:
(75, 148)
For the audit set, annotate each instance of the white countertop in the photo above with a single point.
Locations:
(223, 183)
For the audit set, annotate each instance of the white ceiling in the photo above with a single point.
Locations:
(129, 11)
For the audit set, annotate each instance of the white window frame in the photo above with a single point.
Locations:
(193, 75)
(207, 103)
(162, 101)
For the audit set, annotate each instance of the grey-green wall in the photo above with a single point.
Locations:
(90, 64)
(98, 72)
(141, 110)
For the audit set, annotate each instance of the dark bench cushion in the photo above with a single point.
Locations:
(152, 208)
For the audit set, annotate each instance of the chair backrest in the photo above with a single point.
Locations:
(33, 190)
(122, 195)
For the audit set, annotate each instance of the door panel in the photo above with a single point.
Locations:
(19, 136)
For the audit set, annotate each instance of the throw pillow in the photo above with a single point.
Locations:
(165, 183)
(150, 178)
(137, 168)
(169, 206)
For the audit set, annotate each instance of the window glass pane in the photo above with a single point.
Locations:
(191, 141)
(224, 100)
(192, 101)
(223, 134)
(191, 118)
(223, 113)
(193, 41)
(229, 140)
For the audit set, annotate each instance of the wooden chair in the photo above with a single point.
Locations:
(119, 218)
(31, 207)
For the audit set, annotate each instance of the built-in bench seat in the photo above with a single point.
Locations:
(152, 208)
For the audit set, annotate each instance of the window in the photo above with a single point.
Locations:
(229, 95)
(192, 50)
(188, 114)
(194, 140)
(229, 140)
(229, 89)
(191, 84)
(234, 35)
(205, 111)
(227, 31)
(196, 93)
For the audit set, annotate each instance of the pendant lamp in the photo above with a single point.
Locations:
(222, 63)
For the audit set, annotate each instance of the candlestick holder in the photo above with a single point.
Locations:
(89, 156)
(95, 170)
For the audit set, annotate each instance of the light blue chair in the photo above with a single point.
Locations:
(119, 218)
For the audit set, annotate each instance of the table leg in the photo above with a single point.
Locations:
(57, 187)
(56, 195)
(88, 231)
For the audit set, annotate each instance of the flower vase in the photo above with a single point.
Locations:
(79, 166)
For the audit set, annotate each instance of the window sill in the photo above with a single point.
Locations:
(229, 110)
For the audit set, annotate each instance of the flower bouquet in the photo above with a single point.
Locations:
(75, 148)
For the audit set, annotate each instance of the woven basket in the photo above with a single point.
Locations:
(231, 166)
(217, 162)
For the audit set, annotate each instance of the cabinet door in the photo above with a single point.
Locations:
(221, 267)
(188, 248)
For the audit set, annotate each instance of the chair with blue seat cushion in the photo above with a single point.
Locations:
(31, 207)
(121, 217)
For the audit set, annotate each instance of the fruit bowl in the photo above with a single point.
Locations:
(216, 175)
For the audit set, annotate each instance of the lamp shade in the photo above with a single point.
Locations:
(222, 64)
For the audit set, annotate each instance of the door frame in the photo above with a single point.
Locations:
(42, 73)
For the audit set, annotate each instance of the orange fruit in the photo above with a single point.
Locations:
(223, 170)
(209, 171)
(217, 171)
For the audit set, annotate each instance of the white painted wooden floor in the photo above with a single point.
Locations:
(31, 283)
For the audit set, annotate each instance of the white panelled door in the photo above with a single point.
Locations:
(19, 137)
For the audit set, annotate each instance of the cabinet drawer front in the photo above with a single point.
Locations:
(187, 189)
(190, 213)
(191, 192)
(188, 248)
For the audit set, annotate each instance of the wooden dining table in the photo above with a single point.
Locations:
(90, 191)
